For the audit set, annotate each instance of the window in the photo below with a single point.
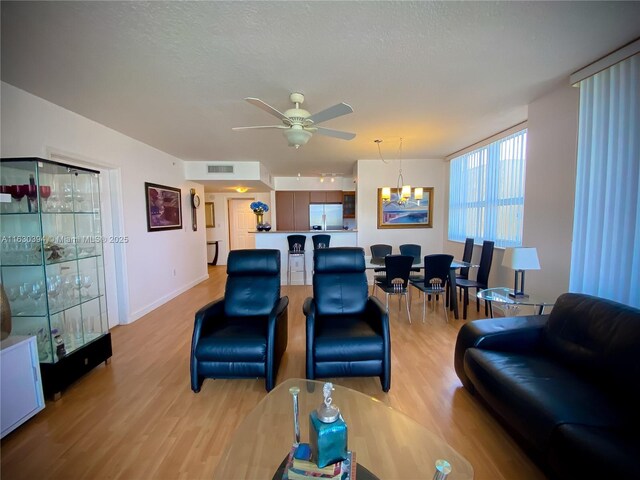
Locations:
(486, 192)
(605, 257)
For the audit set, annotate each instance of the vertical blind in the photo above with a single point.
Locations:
(605, 256)
(486, 192)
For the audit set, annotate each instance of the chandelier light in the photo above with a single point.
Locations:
(403, 190)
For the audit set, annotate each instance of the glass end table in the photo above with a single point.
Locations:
(501, 295)
(387, 443)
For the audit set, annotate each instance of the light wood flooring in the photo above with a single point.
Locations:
(137, 418)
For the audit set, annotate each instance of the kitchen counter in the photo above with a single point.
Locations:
(278, 240)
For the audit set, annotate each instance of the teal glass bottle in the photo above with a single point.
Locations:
(327, 432)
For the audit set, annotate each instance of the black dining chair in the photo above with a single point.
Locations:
(378, 252)
(243, 334)
(321, 241)
(482, 279)
(436, 272)
(396, 280)
(414, 251)
(467, 254)
(347, 330)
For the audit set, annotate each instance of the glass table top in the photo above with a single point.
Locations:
(501, 295)
(378, 262)
(387, 443)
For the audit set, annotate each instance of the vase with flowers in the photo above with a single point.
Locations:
(259, 208)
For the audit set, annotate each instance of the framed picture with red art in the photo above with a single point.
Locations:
(164, 207)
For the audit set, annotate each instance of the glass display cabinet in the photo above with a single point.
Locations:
(52, 267)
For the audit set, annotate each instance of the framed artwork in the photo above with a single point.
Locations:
(412, 214)
(164, 207)
(209, 215)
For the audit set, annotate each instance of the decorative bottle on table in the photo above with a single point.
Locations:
(327, 432)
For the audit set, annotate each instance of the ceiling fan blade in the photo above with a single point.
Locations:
(267, 108)
(331, 112)
(335, 133)
(259, 126)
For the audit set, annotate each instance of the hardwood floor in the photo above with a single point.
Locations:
(137, 418)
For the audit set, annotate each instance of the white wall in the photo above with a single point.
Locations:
(221, 211)
(374, 174)
(549, 195)
(313, 183)
(32, 126)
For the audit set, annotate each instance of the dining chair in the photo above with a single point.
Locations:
(378, 252)
(467, 254)
(436, 273)
(396, 280)
(482, 279)
(414, 251)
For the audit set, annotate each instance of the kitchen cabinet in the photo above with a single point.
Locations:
(349, 204)
(52, 266)
(325, 196)
(21, 389)
(292, 210)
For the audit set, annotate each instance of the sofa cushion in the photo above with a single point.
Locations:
(581, 451)
(235, 340)
(346, 337)
(598, 338)
(535, 394)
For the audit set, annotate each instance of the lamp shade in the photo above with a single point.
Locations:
(418, 193)
(406, 191)
(386, 194)
(521, 258)
(296, 136)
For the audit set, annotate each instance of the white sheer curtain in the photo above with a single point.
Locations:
(605, 257)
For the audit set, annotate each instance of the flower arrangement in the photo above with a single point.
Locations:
(259, 207)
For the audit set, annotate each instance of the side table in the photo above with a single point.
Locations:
(501, 295)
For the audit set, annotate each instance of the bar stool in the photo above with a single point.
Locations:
(321, 241)
(296, 249)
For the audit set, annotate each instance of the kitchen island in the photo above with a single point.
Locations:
(278, 240)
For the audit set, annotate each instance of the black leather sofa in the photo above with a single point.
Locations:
(245, 333)
(567, 385)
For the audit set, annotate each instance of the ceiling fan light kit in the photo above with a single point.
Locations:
(299, 125)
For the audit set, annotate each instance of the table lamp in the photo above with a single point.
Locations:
(520, 259)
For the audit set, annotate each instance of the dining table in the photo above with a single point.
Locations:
(452, 298)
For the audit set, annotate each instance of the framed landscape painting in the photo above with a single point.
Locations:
(411, 214)
(164, 207)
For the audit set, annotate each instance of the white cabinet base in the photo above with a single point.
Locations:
(21, 395)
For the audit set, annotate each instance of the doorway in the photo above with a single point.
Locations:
(241, 221)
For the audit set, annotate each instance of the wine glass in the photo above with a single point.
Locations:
(45, 193)
(53, 290)
(32, 195)
(86, 283)
(77, 283)
(17, 192)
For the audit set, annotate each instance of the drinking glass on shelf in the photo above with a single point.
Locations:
(53, 291)
(32, 197)
(18, 192)
(87, 281)
(77, 283)
(45, 193)
(67, 198)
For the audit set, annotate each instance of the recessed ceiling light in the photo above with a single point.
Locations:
(241, 189)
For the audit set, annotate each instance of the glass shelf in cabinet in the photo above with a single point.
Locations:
(64, 308)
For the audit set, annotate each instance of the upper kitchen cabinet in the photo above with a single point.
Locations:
(349, 204)
(325, 196)
(292, 210)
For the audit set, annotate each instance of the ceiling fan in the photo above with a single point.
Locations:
(298, 125)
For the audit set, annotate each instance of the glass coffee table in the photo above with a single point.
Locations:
(501, 295)
(386, 442)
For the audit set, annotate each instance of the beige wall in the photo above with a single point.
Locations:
(373, 174)
(549, 194)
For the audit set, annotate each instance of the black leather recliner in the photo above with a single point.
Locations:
(243, 334)
(566, 384)
(347, 330)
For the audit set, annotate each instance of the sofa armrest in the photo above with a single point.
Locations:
(510, 334)
(277, 339)
(377, 316)
(309, 310)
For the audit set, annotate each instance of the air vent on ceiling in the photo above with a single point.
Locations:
(220, 168)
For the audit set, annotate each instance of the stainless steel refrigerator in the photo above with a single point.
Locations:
(327, 216)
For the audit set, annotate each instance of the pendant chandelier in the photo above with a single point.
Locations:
(402, 190)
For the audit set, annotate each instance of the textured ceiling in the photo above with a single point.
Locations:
(442, 75)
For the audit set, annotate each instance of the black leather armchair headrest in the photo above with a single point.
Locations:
(252, 262)
(339, 260)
